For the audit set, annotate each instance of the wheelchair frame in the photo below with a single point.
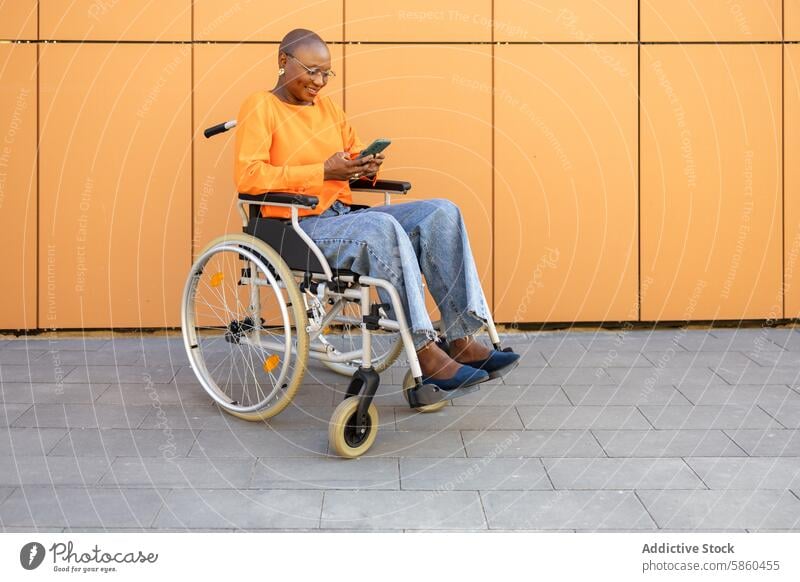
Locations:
(335, 288)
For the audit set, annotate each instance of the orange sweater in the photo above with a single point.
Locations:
(282, 147)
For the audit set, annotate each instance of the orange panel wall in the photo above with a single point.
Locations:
(115, 20)
(791, 125)
(18, 19)
(565, 20)
(791, 15)
(418, 20)
(266, 21)
(114, 220)
(566, 245)
(439, 120)
(711, 20)
(18, 185)
(221, 85)
(711, 181)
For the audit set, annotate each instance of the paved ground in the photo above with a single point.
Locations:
(674, 429)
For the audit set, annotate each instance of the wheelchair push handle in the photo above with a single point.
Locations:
(219, 128)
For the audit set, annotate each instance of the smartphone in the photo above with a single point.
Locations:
(375, 147)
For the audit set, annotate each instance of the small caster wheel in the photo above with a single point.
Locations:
(408, 384)
(345, 438)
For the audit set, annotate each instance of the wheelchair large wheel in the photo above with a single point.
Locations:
(245, 327)
(345, 336)
(346, 440)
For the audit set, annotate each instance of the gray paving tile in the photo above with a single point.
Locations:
(141, 393)
(565, 510)
(667, 443)
(31, 529)
(787, 413)
(5, 493)
(144, 341)
(417, 444)
(623, 395)
(80, 358)
(266, 443)
(180, 472)
(459, 418)
(41, 470)
(756, 374)
(647, 378)
(152, 352)
(121, 374)
(742, 395)
(754, 473)
(92, 442)
(34, 373)
(244, 509)
(635, 473)
(768, 443)
(296, 417)
(11, 412)
(597, 359)
(80, 507)
(82, 416)
(326, 473)
(533, 443)
(788, 339)
(559, 356)
(531, 358)
(60, 344)
(504, 395)
(50, 393)
(557, 376)
(487, 473)
(29, 441)
(631, 340)
(368, 510)
(316, 373)
(675, 359)
(540, 340)
(330, 395)
(723, 509)
(21, 357)
(194, 416)
(708, 417)
(582, 417)
(709, 343)
(211, 417)
(776, 357)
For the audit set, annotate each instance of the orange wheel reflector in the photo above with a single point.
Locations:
(216, 279)
(271, 363)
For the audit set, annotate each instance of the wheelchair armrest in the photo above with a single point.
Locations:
(280, 198)
(391, 186)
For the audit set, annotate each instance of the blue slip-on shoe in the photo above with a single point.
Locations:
(466, 376)
(497, 364)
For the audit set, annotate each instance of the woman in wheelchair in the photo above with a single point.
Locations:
(292, 138)
(295, 158)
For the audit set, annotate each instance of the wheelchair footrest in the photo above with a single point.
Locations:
(430, 394)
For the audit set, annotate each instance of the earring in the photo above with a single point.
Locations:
(281, 71)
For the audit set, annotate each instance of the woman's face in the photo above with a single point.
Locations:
(303, 85)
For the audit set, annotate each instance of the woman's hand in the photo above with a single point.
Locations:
(340, 167)
(374, 165)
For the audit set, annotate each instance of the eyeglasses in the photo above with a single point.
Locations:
(315, 70)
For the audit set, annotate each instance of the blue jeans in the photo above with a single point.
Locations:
(400, 243)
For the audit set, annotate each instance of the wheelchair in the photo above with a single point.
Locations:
(258, 304)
